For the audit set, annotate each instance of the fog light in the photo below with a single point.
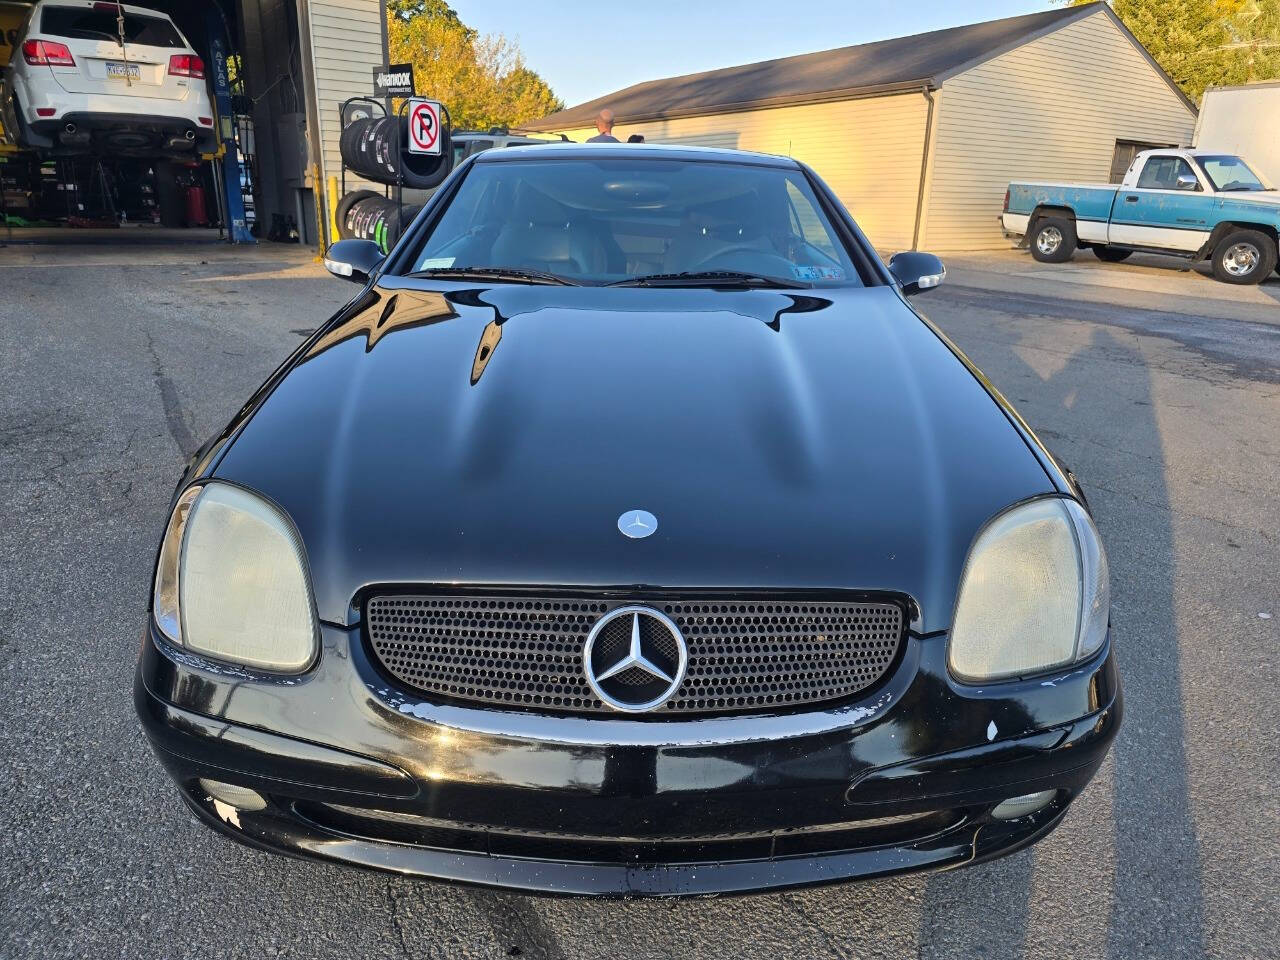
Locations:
(1016, 807)
(242, 798)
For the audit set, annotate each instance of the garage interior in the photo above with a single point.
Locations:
(256, 188)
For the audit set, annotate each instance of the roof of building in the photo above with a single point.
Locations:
(887, 66)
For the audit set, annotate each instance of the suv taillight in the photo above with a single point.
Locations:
(47, 53)
(1006, 201)
(186, 65)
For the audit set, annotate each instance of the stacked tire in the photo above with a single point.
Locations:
(368, 215)
(376, 148)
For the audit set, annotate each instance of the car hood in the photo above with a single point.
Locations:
(494, 435)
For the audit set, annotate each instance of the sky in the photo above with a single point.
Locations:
(586, 49)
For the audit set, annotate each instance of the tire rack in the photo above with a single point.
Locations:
(385, 112)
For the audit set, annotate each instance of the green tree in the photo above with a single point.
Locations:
(1202, 43)
(1254, 29)
(408, 9)
(528, 94)
(482, 80)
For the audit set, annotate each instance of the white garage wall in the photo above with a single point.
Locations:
(868, 151)
(1051, 109)
(1242, 120)
(346, 41)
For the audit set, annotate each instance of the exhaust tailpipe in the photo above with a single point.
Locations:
(190, 134)
(70, 128)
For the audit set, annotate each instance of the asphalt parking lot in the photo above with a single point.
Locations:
(1160, 388)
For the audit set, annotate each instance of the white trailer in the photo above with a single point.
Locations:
(1244, 121)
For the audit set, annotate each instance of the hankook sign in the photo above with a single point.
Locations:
(393, 80)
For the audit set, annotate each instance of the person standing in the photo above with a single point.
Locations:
(604, 124)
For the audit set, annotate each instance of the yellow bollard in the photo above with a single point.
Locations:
(334, 235)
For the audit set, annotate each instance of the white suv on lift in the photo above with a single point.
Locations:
(95, 76)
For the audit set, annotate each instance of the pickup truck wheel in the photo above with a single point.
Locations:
(1111, 254)
(1053, 239)
(1244, 256)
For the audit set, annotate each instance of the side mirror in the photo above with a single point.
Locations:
(353, 260)
(1188, 181)
(917, 272)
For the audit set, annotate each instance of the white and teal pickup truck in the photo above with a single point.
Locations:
(1189, 203)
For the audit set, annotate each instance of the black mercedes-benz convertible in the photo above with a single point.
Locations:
(629, 533)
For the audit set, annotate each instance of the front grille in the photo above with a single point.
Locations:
(755, 654)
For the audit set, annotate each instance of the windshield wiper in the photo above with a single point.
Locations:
(705, 278)
(494, 273)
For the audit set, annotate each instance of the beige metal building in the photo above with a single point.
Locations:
(920, 135)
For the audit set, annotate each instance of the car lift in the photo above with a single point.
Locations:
(227, 161)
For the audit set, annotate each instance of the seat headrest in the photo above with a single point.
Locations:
(535, 208)
(736, 218)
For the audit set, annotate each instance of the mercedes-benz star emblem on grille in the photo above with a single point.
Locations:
(634, 659)
(637, 523)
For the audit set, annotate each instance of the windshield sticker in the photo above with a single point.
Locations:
(435, 263)
(817, 273)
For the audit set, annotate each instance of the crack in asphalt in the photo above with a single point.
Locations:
(174, 414)
(795, 905)
(52, 425)
(1180, 512)
(396, 923)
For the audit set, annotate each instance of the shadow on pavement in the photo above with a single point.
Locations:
(1107, 436)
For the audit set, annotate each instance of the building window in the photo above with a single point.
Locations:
(1125, 151)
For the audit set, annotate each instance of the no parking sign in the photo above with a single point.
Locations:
(424, 126)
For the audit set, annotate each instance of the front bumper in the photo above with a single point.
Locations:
(353, 771)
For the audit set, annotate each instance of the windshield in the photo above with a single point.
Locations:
(1230, 173)
(624, 219)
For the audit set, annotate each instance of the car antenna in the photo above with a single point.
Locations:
(124, 51)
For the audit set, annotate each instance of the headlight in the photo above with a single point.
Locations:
(1034, 594)
(232, 581)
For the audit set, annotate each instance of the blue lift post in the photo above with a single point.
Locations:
(237, 227)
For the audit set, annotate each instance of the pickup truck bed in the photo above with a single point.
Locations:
(1091, 203)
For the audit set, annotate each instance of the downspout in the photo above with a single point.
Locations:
(386, 38)
(924, 166)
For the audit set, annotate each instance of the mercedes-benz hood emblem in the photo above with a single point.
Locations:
(637, 523)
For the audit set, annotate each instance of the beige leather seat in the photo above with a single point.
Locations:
(544, 235)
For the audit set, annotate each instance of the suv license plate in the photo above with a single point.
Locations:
(123, 70)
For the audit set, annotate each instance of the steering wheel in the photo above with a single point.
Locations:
(757, 255)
